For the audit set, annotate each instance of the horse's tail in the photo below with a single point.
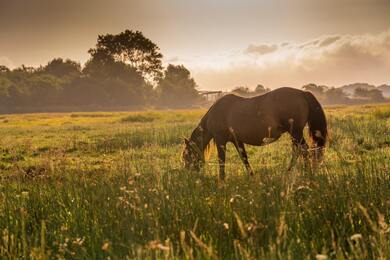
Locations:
(317, 120)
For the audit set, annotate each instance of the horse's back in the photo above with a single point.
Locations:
(268, 115)
(217, 114)
(252, 118)
(284, 103)
(227, 100)
(281, 94)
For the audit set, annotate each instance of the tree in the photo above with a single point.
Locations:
(317, 90)
(121, 82)
(4, 69)
(177, 87)
(60, 68)
(242, 91)
(5, 85)
(247, 92)
(385, 90)
(85, 91)
(44, 90)
(26, 69)
(260, 89)
(131, 48)
(372, 94)
(336, 96)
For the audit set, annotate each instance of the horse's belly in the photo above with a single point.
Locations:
(260, 137)
(253, 129)
(260, 140)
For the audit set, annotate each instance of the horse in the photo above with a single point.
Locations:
(257, 121)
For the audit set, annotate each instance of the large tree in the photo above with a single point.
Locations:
(121, 82)
(131, 48)
(177, 88)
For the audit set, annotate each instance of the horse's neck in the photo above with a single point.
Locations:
(201, 138)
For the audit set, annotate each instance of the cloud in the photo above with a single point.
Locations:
(333, 60)
(328, 40)
(261, 49)
(320, 42)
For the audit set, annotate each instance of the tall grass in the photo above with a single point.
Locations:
(119, 190)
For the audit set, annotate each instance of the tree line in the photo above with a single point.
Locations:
(357, 93)
(124, 70)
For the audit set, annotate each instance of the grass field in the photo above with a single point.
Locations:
(98, 185)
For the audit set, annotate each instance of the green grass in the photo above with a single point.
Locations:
(104, 185)
(382, 113)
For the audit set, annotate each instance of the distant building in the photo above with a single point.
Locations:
(211, 96)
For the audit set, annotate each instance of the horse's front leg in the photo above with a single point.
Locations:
(221, 148)
(240, 147)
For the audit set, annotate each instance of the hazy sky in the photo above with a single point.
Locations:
(225, 43)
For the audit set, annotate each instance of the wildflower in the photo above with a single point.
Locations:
(226, 226)
(78, 241)
(356, 237)
(63, 228)
(157, 245)
(106, 246)
(321, 257)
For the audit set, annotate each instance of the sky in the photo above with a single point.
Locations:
(224, 43)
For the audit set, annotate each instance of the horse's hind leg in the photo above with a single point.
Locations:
(299, 147)
(243, 155)
(221, 148)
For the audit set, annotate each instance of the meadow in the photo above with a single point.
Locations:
(99, 185)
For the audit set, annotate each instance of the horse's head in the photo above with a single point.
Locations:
(192, 155)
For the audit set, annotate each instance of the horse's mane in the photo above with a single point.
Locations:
(198, 132)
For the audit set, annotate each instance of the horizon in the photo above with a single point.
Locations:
(274, 44)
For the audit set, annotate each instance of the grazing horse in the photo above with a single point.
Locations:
(257, 121)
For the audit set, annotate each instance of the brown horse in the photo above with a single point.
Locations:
(257, 121)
